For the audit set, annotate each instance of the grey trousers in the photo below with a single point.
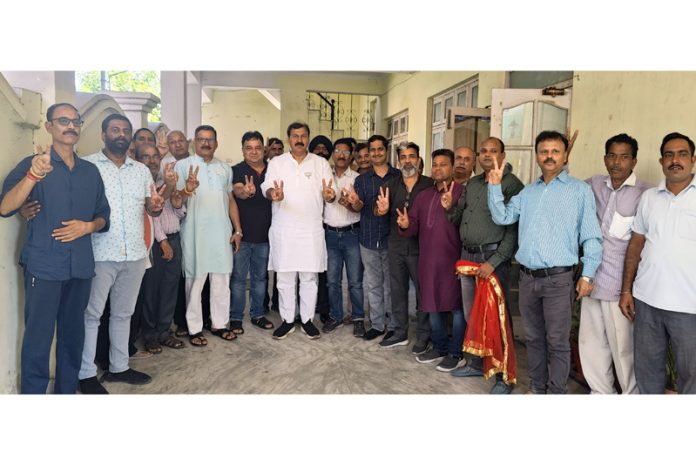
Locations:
(122, 280)
(545, 305)
(401, 268)
(376, 282)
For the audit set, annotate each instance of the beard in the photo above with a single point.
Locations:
(117, 146)
(408, 171)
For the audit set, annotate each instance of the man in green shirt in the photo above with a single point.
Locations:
(483, 241)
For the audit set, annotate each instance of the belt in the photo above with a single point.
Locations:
(172, 235)
(350, 227)
(481, 248)
(546, 271)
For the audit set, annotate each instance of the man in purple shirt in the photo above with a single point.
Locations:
(605, 335)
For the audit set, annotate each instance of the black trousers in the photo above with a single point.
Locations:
(159, 291)
(403, 268)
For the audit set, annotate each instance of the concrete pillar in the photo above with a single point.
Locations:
(173, 92)
(135, 105)
(193, 102)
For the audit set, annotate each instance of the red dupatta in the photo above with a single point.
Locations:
(488, 331)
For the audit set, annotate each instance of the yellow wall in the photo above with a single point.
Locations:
(645, 105)
(232, 113)
(17, 143)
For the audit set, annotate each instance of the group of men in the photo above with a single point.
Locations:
(108, 226)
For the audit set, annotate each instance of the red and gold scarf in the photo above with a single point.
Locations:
(488, 331)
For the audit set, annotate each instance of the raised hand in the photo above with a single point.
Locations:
(402, 218)
(495, 175)
(192, 180)
(249, 187)
(327, 191)
(571, 140)
(162, 145)
(156, 199)
(176, 199)
(170, 176)
(383, 201)
(41, 163)
(351, 196)
(446, 197)
(277, 193)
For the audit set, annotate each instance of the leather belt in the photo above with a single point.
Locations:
(546, 271)
(350, 227)
(481, 248)
(172, 235)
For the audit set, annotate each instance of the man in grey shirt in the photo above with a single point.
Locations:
(606, 337)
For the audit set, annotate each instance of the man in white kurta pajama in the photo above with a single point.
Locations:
(298, 183)
(206, 234)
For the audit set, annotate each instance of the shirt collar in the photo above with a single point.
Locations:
(102, 157)
(663, 184)
(630, 181)
(562, 177)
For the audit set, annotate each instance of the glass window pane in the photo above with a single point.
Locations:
(551, 118)
(403, 125)
(518, 124)
(474, 96)
(461, 99)
(406, 121)
(437, 112)
(448, 104)
(521, 162)
(437, 140)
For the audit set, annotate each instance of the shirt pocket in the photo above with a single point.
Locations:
(687, 225)
(621, 226)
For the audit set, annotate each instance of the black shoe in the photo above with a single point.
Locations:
(393, 341)
(420, 347)
(389, 334)
(324, 317)
(92, 386)
(359, 328)
(283, 330)
(373, 334)
(448, 363)
(430, 356)
(310, 330)
(331, 325)
(130, 376)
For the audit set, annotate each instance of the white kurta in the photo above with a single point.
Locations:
(296, 236)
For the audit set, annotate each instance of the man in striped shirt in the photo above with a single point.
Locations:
(557, 215)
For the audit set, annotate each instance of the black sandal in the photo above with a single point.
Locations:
(224, 334)
(202, 341)
(262, 323)
(236, 327)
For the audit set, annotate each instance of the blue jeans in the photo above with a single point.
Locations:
(252, 259)
(343, 247)
(438, 333)
(653, 328)
(376, 263)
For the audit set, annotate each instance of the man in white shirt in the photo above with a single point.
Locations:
(342, 225)
(298, 183)
(661, 257)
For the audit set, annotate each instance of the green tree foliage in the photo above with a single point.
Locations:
(122, 81)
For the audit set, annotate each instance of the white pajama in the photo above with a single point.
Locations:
(286, 294)
(606, 337)
(219, 301)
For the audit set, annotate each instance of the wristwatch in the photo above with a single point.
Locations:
(238, 233)
(589, 280)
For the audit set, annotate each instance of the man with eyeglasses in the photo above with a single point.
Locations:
(298, 183)
(57, 257)
(483, 241)
(207, 238)
(557, 216)
(606, 337)
(120, 255)
(342, 229)
(374, 232)
(657, 291)
(400, 192)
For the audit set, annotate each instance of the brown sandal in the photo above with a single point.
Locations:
(223, 333)
(198, 340)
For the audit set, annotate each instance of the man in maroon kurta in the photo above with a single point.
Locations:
(439, 249)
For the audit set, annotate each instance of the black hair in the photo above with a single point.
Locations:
(52, 108)
(360, 146)
(375, 137)
(298, 125)
(205, 127)
(275, 140)
(550, 135)
(676, 135)
(252, 135)
(622, 138)
(135, 134)
(344, 141)
(145, 146)
(444, 153)
(116, 117)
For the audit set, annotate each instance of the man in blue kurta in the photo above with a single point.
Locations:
(57, 257)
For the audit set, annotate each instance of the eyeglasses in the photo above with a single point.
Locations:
(202, 140)
(150, 157)
(63, 121)
(343, 152)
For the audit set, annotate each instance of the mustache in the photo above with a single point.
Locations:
(299, 144)
(673, 165)
(70, 132)
(548, 160)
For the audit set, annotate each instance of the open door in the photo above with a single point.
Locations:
(467, 127)
(518, 115)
